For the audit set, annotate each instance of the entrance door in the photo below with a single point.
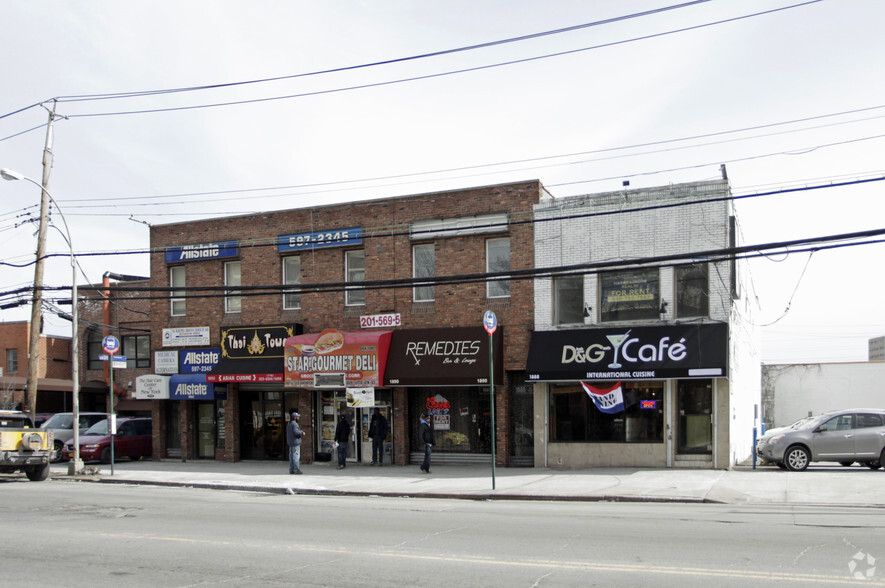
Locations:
(694, 405)
(262, 432)
(353, 448)
(206, 430)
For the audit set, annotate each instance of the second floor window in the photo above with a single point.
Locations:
(177, 280)
(568, 300)
(692, 290)
(630, 295)
(12, 361)
(292, 276)
(355, 271)
(233, 302)
(498, 261)
(424, 266)
(137, 349)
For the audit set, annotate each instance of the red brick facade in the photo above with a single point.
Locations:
(387, 245)
(53, 368)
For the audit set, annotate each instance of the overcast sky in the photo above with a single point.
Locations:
(786, 94)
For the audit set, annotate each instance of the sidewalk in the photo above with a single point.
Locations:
(832, 485)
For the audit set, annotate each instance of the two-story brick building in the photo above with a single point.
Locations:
(53, 357)
(401, 282)
(645, 349)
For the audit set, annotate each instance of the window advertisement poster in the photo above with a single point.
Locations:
(360, 397)
(628, 295)
(360, 356)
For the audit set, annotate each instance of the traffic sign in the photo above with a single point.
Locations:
(490, 322)
(110, 344)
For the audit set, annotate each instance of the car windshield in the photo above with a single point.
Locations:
(59, 421)
(99, 428)
(809, 423)
(798, 424)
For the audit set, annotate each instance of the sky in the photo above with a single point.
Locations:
(310, 103)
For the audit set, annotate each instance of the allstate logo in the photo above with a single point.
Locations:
(862, 566)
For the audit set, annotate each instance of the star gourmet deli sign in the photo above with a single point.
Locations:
(629, 353)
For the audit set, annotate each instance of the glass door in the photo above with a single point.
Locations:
(206, 430)
(694, 405)
(353, 448)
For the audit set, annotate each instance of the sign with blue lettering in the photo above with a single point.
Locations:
(317, 239)
(195, 387)
(202, 251)
(198, 361)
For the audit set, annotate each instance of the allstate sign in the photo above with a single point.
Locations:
(195, 387)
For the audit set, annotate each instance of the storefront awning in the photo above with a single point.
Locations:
(444, 357)
(629, 353)
(337, 359)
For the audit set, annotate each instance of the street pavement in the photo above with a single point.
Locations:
(829, 485)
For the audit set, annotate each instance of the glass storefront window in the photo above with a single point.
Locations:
(574, 416)
(460, 418)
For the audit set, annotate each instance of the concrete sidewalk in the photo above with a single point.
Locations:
(832, 485)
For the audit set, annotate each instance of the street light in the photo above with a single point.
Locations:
(76, 465)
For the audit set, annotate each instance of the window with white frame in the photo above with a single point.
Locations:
(292, 277)
(498, 261)
(692, 290)
(424, 266)
(12, 361)
(355, 271)
(568, 299)
(177, 279)
(233, 302)
(137, 349)
(630, 295)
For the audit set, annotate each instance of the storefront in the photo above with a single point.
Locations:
(641, 397)
(343, 371)
(445, 373)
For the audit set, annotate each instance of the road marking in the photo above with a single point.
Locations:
(536, 563)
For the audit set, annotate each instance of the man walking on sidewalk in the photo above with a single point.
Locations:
(293, 438)
(378, 432)
(425, 434)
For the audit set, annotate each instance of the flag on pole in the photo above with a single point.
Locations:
(609, 401)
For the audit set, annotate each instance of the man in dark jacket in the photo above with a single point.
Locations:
(293, 438)
(342, 438)
(378, 432)
(425, 435)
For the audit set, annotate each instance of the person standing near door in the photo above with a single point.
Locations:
(342, 438)
(293, 438)
(378, 432)
(425, 434)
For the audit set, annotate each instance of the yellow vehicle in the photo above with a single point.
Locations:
(24, 448)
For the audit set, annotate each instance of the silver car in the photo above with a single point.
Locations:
(842, 436)
(62, 426)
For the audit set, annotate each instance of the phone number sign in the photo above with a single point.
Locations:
(381, 320)
(317, 239)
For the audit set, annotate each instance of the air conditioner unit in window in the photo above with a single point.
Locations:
(328, 380)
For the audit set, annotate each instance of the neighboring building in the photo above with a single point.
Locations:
(877, 349)
(793, 391)
(229, 365)
(54, 384)
(104, 310)
(641, 359)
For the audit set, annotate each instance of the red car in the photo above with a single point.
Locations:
(133, 440)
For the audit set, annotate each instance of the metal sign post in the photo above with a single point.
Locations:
(490, 322)
(111, 345)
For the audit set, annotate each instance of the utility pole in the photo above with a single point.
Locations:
(37, 304)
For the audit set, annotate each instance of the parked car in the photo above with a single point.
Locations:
(62, 426)
(133, 441)
(842, 436)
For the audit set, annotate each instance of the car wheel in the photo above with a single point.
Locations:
(56, 448)
(846, 464)
(796, 458)
(105, 455)
(39, 473)
(873, 465)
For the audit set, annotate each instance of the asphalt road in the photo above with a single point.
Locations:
(87, 534)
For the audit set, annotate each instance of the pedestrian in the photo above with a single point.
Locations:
(293, 438)
(342, 438)
(378, 432)
(425, 434)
